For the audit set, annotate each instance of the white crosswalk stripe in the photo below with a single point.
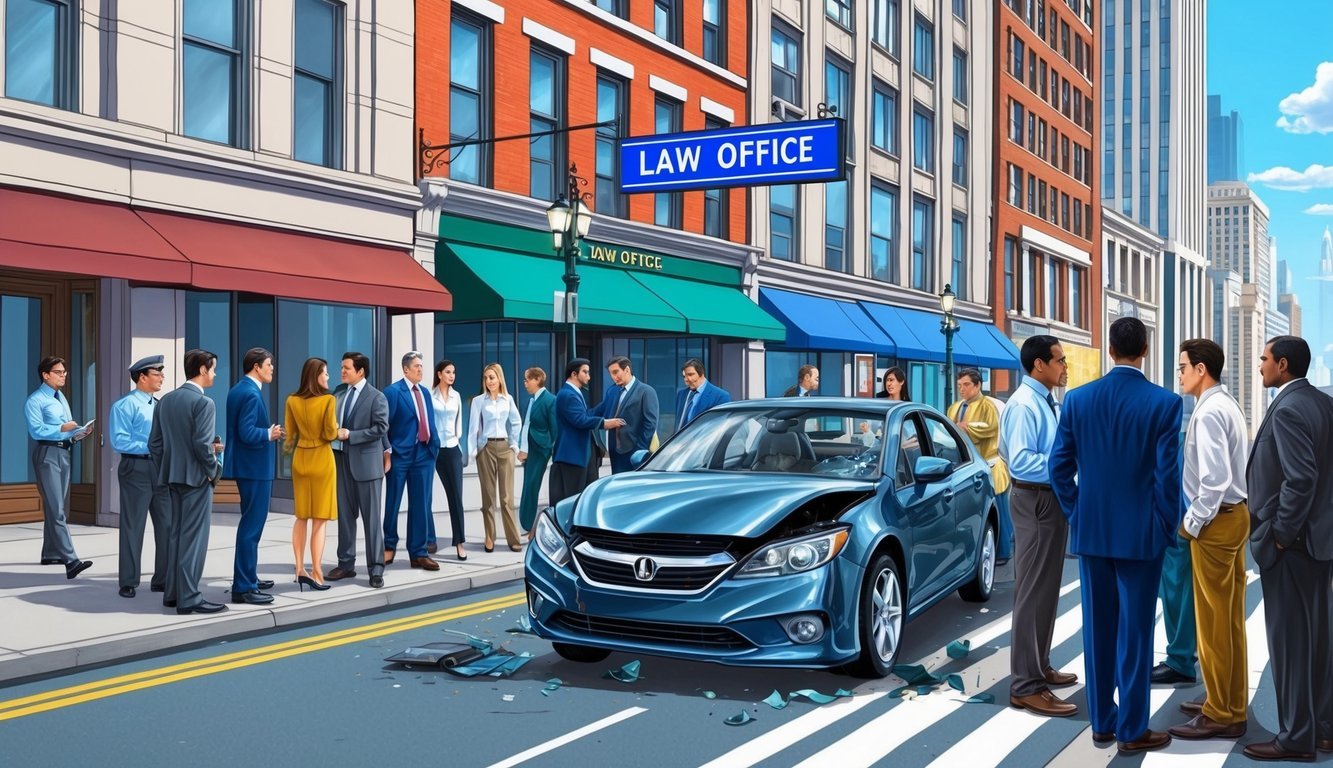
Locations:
(792, 733)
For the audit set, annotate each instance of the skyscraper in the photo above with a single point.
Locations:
(1325, 338)
(1238, 243)
(1226, 143)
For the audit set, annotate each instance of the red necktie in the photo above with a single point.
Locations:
(423, 431)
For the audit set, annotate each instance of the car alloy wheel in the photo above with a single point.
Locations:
(881, 619)
(888, 616)
(979, 589)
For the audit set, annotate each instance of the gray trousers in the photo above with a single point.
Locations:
(1298, 608)
(51, 465)
(140, 496)
(1040, 532)
(359, 498)
(191, 508)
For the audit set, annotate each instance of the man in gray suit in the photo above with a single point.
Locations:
(184, 448)
(1290, 480)
(359, 457)
(636, 403)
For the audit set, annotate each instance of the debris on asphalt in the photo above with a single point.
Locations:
(710, 695)
(552, 685)
(739, 719)
(959, 649)
(776, 701)
(915, 674)
(626, 674)
(524, 626)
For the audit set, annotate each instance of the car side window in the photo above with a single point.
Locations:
(944, 444)
(909, 450)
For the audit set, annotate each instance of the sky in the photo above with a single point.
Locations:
(1275, 67)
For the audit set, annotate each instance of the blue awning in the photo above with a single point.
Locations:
(917, 335)
(814, 322)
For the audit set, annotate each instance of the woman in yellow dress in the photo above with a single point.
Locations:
(310, 429)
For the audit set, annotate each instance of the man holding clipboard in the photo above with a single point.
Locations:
(53, 428)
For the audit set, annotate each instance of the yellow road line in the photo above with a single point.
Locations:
(101, 689)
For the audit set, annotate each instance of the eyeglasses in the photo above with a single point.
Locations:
(58, 371)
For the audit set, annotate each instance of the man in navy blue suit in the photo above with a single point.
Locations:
(414, 444)
(698, 395)
(249, 461)
(575, 424)
(1119, 436)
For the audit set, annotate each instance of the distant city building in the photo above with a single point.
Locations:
(1324, 340)
(1287, 301)
(1132, 260)
(1226, 143)
(1238, 243)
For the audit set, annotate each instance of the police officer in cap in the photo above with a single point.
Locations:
(140, 494)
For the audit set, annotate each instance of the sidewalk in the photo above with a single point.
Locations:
(52, 624)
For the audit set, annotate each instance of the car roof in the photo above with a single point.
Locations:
(880, 405)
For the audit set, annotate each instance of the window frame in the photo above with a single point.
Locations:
(923, 30)
(922, 267)
(842, 229)
(485, 97)
(884, 19)
(674, 20)
(559, 159)
(719, 29)
(891, 239)
(676, 199)
(841, 12)
(618, 206)
(959, 171)
(333, 148)
(718, 194)
(793, 215)
(923, 151)
(64, 75)
(239, 120)
(960, 80)
(779, 71)
(881, 91)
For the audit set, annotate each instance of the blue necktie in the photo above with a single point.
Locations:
(689, 406)
(1050, 400)
(347, 406)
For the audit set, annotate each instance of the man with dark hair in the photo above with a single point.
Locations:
(976, 416)
(250, 464)
(1216, 525)
(1290, 483)
(414, 442)
(54, 430)
(1027, 431)
(185, 447)
(698, 395)
(1115, 467)
(575, 423)
(636, 405)
(130, 424)
(362, 413)
(807, 382)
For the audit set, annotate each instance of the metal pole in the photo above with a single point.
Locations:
(947, 328)
(571, 286)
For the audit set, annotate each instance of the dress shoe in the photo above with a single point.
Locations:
(388, 557)
(306, 581)
(1192, 707)
(168, 603)
(377, 581)
(203, 607)
(1324, 745)
(425, 563)
(265, 584)
(52, 561)
(127, 591)
(1102, 739)
(156, 588)
(1149, 741)
(251, 598)
(1043, 703)
(339, 573)
(1057, 679)
(1165, 675)
(1271, 750)
(432, 549)
(75, 568)
(458, 550)
(515, 547)
(1204, 727)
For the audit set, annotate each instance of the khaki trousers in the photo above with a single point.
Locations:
(495, 467)
(1219, 611)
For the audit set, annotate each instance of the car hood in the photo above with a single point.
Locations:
(700, 503)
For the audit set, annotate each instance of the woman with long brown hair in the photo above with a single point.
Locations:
(493, 432)
(447, 405)
(895, 385)
(311, 427)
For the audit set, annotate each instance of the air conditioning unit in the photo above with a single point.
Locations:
(784, 110)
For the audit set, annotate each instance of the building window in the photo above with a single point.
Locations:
(836, 214)
(41, 51)
(923, 139)
(838, 92)
(1076, 297)
(611, 106)
(666, 20)
(960, 9)
(470, 95)
(546, 78)
(667, 205)
(1016, 122)
(782, 204)
(960, 76)
(840, 11)
(715, 40)
(883, 233)
(1018, 50)
(616, 7)
(786, 66)
(884, 25)
(958, 274)
(213, 38)
(960, 157)
(923, 49)
(1015, 196)
(923, 244)
(1009, 273)
(317, 106)
(884, 117)
(1052, 289)
(715, 200)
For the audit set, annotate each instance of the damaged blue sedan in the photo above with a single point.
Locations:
(801, 532)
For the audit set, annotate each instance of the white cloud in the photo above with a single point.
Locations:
(1320, 209)
(1311, 110)
(1282, 177)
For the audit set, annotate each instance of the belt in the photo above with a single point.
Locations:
(1030, 486)
(497, 439)
(135, 456)
(1231, 507)
(66, 444)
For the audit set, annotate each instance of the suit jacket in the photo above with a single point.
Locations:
(542, 429)
(711, 396)
(1121, 436)
(403, 419)
(575, 423)
(1290, 476)
(249, 451)
(181, 440)
(638, 407)
(368, 423)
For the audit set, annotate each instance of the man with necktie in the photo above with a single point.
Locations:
(130, 425)
(53, 428)
(535, 443)
(250, 463)
(358, 455)
(634, 403)
(414, 442)
(807, 382)
(575, 423)
(698, 395)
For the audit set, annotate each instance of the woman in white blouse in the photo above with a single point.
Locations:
(449, 463)
(493, 440)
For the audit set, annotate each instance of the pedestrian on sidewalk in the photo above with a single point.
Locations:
(130, 425)
(535, 444)
(807, 382)
(575, 423)
(895, 385)
(414, 444)
(54, 430)
(976, 417)
(1115, 467)
(250, 463)
(449, 463)
(634, 403)
(312, 426)
(358, 469)
(493, 443)
(1216, 525)
(698, 395)
(186, 451)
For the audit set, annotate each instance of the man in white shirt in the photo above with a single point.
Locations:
(1217, 524)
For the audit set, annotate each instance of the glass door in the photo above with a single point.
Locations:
(82, 392)
(27, 309)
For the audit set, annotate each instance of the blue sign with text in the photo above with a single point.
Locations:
(752, 155)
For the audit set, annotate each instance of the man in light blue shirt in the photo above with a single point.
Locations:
(55, 431)
(1027, 433)
(130, 424)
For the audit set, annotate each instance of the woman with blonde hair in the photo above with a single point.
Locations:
(311, 427)
(493, 442)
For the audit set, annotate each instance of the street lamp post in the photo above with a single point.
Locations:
(569, 219)
(948, 327)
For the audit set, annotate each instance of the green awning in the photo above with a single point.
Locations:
(714, 310)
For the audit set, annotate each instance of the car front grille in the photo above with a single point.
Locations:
(685, 635)
(659, 544)
(683, 578)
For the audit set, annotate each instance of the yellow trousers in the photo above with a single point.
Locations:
(1219, 611)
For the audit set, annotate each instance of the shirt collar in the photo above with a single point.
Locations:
(46, 388)
(1279, 389)
(258, 384)
(1036, 386)
(195, 385)
(703, 384)
(1133, 368)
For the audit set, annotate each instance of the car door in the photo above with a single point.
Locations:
(965, 494)
(924, 511)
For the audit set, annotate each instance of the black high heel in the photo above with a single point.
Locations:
(489, 547)
(306, 581)
(458, 550)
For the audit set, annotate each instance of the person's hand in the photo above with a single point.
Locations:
(69, 425)
(343, 434)
(522, 455)
(218, 446)
(275, 432)
(613, 423)
(387, 462)
(1279, 546)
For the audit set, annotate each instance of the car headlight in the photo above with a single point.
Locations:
(549, 540)
(794, 555)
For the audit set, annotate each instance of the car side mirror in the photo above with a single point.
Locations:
(638, 458)
(931, 469)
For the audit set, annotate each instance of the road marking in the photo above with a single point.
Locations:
(991, 744)
(101, 689)
(541, 749)
(868, 744)
(784, 736)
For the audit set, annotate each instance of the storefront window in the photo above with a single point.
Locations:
(20, 351)
(515, 346)
(781, 366)
(656, 361)
(208, 326)
(926, 382)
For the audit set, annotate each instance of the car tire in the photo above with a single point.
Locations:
(982, 585)
(580, 653)
(880, 619)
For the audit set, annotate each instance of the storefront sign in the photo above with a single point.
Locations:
(752, 155)
(623, 257)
